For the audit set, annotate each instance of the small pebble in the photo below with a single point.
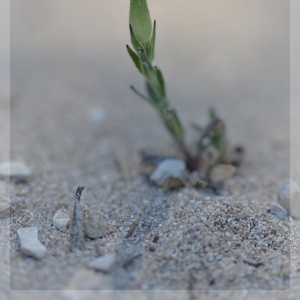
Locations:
(289, 197)
(221, 172)
(95, 225)
(278, 211)
(14, 169)
(61, 220)
(30, 245)
(4, 210)
(152, 246)
(103, 263)
(168, 168)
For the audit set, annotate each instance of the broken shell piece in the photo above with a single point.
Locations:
(103, 263)
(172, 183)
(221, 172)
(61, 220)
(95, 225)
(30, 245)
(168, 168)
(150, 162)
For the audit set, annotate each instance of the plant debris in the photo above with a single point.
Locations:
(77, 239)
(134, 225)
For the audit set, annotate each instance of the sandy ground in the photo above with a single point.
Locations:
(71, 108)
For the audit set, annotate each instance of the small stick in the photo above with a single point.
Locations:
(77, 222)
(121, 163)
(134, 225)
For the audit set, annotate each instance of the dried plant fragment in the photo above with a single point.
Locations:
(134, 225)
(172, 183)
(77, 239)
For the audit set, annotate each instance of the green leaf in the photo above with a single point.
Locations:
(213, 114)
(217, 137)
(161, 81)
(148, 70)
(144, 97)
(139, 18)
(197, 127)
(174, 126)
(137, 46)
(150, 46)
(151, 92)
(134, 58)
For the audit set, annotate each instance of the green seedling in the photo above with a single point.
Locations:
(142, 34)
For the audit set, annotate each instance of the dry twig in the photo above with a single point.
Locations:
(134, 225)
(77, 239)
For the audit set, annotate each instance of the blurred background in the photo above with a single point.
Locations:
(68, 60)
(4, 80)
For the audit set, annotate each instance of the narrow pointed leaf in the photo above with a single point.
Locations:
(161, 81)
(144, 97)
(197, 127)
(149, 51)
(213, 114)
(151, 92)
(139, 18)
(174, 126)
(217, 137)
(134, 58)
(150, 46)
(147, 67)
(153, 36)
(137, 46)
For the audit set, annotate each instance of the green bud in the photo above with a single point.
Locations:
(139, 19)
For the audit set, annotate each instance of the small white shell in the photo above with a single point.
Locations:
(166, 169)
(61, 220)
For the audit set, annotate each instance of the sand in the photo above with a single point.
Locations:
(71, 110)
